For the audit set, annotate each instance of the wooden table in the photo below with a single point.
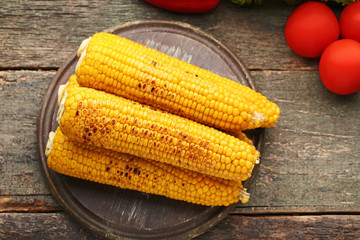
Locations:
(307, 186)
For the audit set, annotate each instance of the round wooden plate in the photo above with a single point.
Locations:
(124, 214)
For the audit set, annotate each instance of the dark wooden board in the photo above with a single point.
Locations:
(235, 227)
(324, 178)
(311, 157)
(42, 34)
(310, 160)
(112, 212)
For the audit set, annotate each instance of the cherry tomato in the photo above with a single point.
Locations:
(311, 28)
(339, 67)
(350, 21)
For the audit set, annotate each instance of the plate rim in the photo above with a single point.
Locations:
(93, 226)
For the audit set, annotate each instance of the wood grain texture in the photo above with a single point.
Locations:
(42, 34)
(60, 226)
(310, 163)
(28, 203)
(41, 226)
(286, 227)
(20, 100)
(310, 160)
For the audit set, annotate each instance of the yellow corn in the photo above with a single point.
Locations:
(72, 82)
(129, 172)
(117, 65)
(115, 123)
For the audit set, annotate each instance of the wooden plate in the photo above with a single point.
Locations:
(124, 214)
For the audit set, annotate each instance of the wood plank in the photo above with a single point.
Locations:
(41, 226)
(20, 100)
(310, 160)
(301, 170)
(42, 34)
(28, 203)
(286, 227)
(60, 226)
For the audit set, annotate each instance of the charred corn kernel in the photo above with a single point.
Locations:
(148, 76)
(150, 133)
(129, 172)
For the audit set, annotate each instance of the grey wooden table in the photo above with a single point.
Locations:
(308, 182)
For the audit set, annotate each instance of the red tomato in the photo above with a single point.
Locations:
(311, 28)
(185, 6)
(350, 21)
(339, 67)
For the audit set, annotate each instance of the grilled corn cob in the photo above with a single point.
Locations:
(129, 172)
(115, 123)
(72, 82)
(265, 109)
(128, 69)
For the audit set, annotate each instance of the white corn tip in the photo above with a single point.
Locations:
(244, 195)
(258, 117)
(82, 51)
(60, 92)
(83, 46)
(50, 143)
(61, 107)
